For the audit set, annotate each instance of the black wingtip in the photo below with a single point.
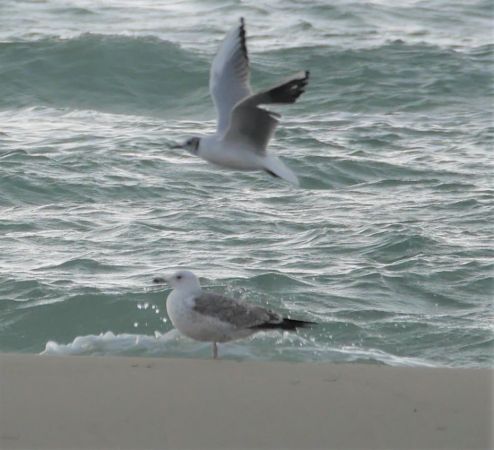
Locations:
(242, 35)
(293, 324)
(290, 90)
(286, 325)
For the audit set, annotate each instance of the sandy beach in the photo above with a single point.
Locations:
(49, 402)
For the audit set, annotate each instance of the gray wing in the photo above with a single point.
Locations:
(229, 76)
(255, 126)
(238, 314)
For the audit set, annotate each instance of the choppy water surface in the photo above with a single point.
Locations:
(387, 243)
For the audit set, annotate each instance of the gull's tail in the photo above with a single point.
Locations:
(275, 167)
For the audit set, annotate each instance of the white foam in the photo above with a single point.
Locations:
(354, 354)
(115, 344)
(292, 346)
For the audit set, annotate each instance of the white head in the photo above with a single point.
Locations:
(184, 280)
(191, 145)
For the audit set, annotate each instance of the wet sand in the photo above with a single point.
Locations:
(50, 402)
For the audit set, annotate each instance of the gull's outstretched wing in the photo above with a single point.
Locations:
(255, 126)
(237, 314)
(229, 76)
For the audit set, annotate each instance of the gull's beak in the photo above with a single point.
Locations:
(161, 280)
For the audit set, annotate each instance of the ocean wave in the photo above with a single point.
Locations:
(121, 74)
(275, 282)
(82, 265)
(106, 72)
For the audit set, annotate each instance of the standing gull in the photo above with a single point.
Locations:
(214, 318)
(244, 129)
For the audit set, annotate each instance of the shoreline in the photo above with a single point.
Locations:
(94, 402)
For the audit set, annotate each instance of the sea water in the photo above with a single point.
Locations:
(387, 243)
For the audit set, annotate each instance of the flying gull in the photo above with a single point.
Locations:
(244, 128)
(210, 317)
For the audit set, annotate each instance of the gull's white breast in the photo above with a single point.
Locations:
(227, 154)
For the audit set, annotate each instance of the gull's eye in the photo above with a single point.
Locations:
(179, 277)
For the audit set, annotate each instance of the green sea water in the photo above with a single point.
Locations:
(387, 243)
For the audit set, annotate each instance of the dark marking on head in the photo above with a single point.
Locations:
(193, 145)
